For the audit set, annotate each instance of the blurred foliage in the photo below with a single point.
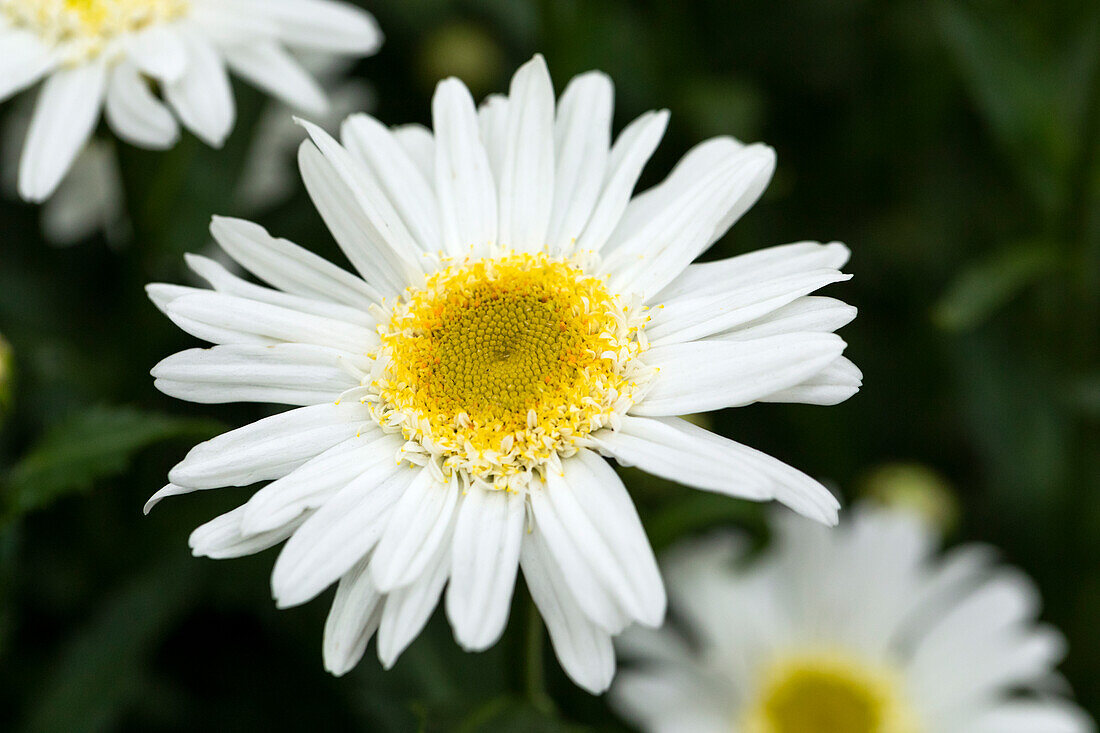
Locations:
(7, 376)
(954, 144)
(89, 446)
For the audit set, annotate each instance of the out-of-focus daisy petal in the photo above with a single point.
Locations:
(135, 114)
(64, 117)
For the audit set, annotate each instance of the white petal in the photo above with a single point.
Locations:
(325, 25)
(89, 199)
(289, 374)
(391, 237)
(409, 608)
(422, 517)
(163, 295)
(590, 587)
(234, 22)
(242, 315)
(582, 141)
(762, 264)
(697, 163)
(134, 112)
(64, 117)
(831, 386)
(341, 206)
(377, 148)
(629, 155)
(583, 648)
(310, 485)
(463, 180)
(272, 69)
(158, 51)
(202, 97)
(677, 233)
(288, 266)
(707, 375)
(811, 313)
(223, 281)
(352, 620)
(675, 449)
(704, 314)
(164, 493)
(1027, 716)
(221, 538)
(492, 121)
(527, 169)
(419, 143)
(23, 60)
(599, 515)
(984, 644)
(666, 699)
(269, 448)
(485, 556)
(336, 536)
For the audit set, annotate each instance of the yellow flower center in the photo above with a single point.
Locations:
(829, 693)
(85, 26)
(500, 366)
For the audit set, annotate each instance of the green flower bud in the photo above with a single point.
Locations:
(915, 488)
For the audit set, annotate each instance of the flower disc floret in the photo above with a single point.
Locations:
(829, 693)
(499, 366)
(85, 26)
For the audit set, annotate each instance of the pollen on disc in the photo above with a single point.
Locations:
(498, 363)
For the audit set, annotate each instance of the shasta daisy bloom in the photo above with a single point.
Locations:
(858, 630)
(116, 55)
(516, 315)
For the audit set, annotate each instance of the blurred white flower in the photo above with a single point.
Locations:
(270, 176)
(515, 315)
(855, 630)
(116, 55)
(88, 201)
(91, 200)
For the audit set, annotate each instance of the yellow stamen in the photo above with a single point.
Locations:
(826, 692)
(84, 27)
(498, 365)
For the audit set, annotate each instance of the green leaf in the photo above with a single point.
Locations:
(695, 511)
(988, 285)
(511, 715)
(86, 447)
(1028, 94)
(102, 671)
(1084, 396)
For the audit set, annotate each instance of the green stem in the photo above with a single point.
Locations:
(534, 677)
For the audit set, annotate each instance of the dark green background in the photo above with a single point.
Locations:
(954, 146)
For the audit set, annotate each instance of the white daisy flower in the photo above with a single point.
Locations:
(515, 315)
(90, 200)
(104, 54)
(855, 630)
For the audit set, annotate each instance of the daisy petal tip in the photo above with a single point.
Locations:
(168, 490)
(336, 667)
(387, 657)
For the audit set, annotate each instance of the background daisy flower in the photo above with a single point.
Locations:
(860, 629)
(145, 63)
(91, 198)
(515, 314)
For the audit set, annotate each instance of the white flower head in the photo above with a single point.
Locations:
(115, 55)
(516, 315)
(855, 630)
